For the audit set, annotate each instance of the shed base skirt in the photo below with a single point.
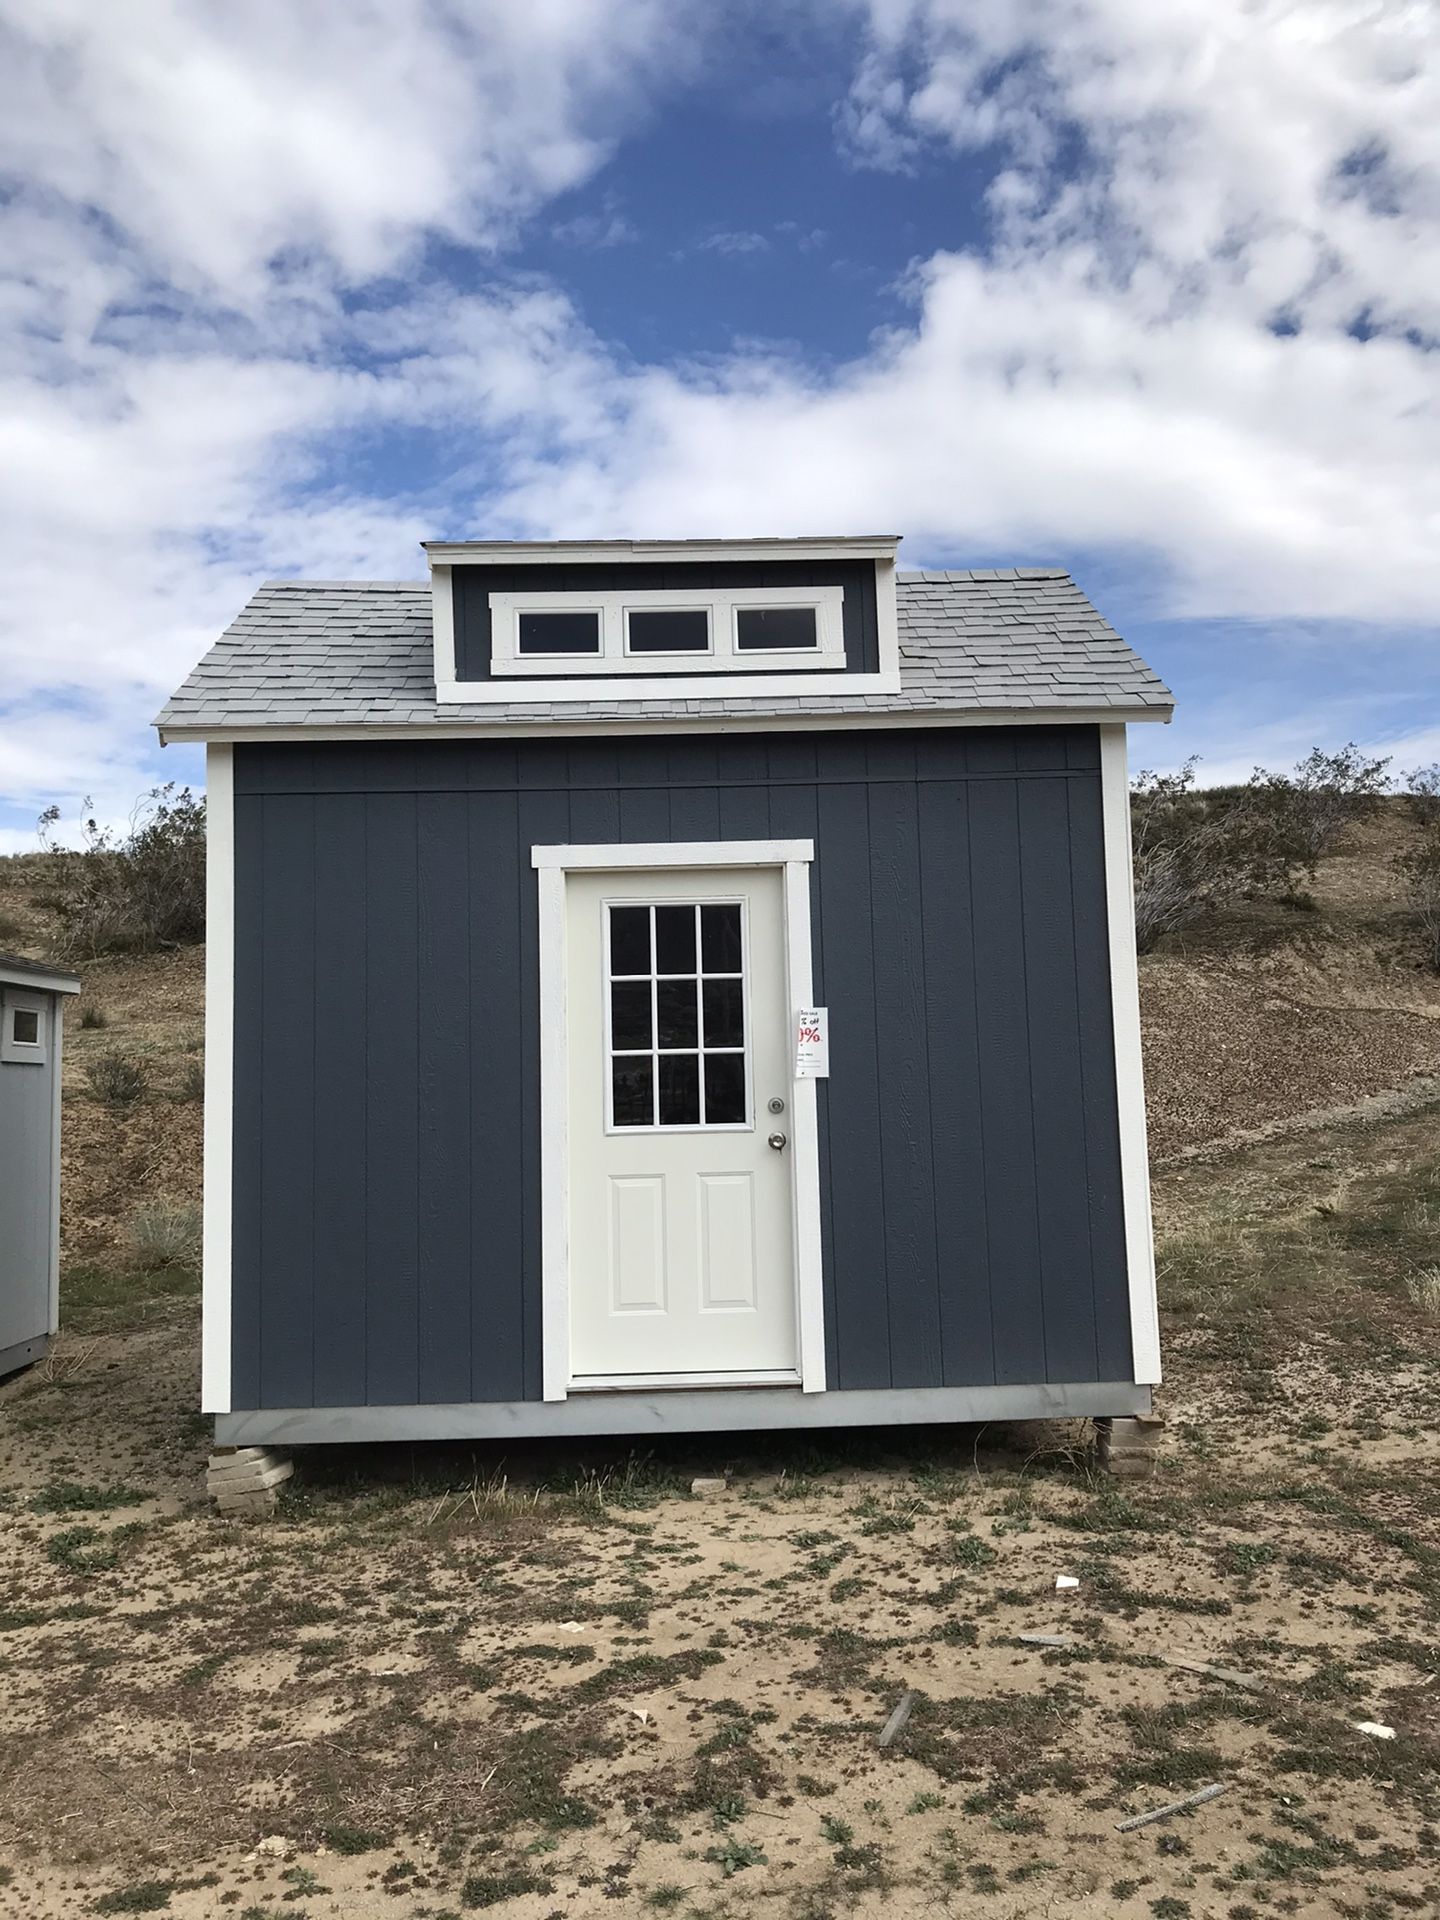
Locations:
(24, 1353)
(631, 1412)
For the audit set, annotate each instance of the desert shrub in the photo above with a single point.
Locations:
(92, 1016)
(1421, 786)
(1197, 849)
(1182, 862)
(116, 1079)
(1282, 825)
(1419, 868)
(191, 1083)
(163, 1236)
(12, 931)
(133, 891)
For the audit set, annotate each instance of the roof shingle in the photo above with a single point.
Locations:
(356, 654)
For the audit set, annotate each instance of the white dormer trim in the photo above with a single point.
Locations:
(511, 553)
(618, 676)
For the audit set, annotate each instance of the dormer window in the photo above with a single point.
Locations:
(628, 621)
(658, 630)
(558, 633)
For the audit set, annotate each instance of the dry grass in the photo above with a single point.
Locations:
(547, 1680)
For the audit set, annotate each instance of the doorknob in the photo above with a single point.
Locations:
(778, 1142)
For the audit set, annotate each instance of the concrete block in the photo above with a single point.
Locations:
(1129, 1447)
(245, 1481)
(248, 1479)
(709, 1488)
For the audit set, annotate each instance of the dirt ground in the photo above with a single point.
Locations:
(444, 1681)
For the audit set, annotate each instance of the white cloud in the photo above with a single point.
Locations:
(220, 285)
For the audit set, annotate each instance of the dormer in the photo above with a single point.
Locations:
(662, 619)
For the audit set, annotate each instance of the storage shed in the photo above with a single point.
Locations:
(670, 985)
(32, 1019)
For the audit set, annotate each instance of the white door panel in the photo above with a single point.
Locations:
(681, 1228)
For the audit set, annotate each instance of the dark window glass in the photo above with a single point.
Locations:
(769, 629)
(629, 1014)
(724, 1089)
(675, 1014)
(631, 1082)
(724, 1014)
(670, 630)
(26, 1027)
(679, 1089)
(720, 939)
(629, 940)
(675, 939)
(559, 633)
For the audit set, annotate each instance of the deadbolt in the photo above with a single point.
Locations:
(777, 1141)
(777, 1105)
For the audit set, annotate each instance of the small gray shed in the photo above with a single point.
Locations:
(32, 1000)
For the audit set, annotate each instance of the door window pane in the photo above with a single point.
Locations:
(725, 1089)
(676, 1016)
(724, 1013)
(632, 1079)
(677, 1034)
(559, 633)
(774, 629)
(720, 938)
(630, 940)
(675, 939)
(669, 630)
(630, 1015)
(679, 1089)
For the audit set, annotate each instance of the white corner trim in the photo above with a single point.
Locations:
(552, 863)
(805, 1135)
(696, 686)
(887, 618)
(1129, 1064)
(57, 1055)
(675, 853)
(442, 621)
(215, 1381)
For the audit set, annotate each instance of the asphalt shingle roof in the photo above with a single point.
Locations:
(357, 654)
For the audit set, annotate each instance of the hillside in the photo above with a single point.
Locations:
(1252, 1021)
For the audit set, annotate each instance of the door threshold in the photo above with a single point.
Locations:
(679, 1382)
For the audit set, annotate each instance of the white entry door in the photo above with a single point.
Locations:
(681, 1227)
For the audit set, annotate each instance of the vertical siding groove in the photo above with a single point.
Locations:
(387, 1159)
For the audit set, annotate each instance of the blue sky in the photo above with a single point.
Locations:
(1148, 292)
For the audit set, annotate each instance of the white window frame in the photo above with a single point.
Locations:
(722, 604)
(655, 1051)
(25, 1053)
(552, 865)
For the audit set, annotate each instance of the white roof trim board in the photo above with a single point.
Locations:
(356, 656)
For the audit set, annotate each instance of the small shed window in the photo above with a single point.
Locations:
(560, 632)
(775, 629)
(23, 1034)
(667, 630)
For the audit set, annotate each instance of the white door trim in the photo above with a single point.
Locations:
(552, 863)
(215, 1381)
(1129, 1064)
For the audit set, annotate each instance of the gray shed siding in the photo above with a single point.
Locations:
(473, 585)
(387, 1139)
(27, 1193)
